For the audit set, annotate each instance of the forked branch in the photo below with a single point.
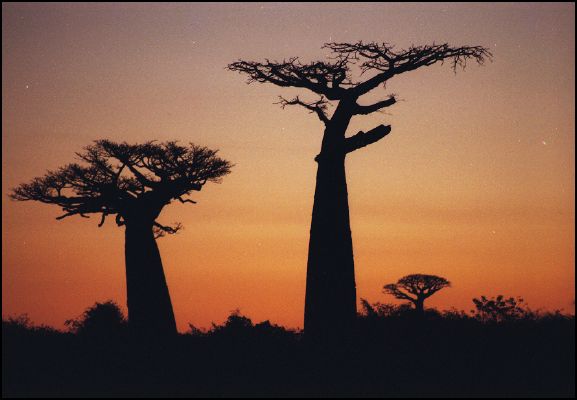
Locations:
(160, 230)
(318, 107)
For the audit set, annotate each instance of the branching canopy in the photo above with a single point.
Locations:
(133, 181)
(333, 79)
(416, 287)
(321, 77)
(386, 61)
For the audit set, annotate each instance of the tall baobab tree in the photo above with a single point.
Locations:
(133, 183)
(330, 304)
(416, 289)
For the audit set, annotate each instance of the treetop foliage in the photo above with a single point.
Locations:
(333, 77)
(418, 285)
(119, 178)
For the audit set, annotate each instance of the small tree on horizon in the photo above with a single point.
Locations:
(416, 288)
(133, 183)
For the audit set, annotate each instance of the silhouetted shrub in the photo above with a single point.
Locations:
(21, 325)
(455, 315)
(384, 310)
(500, 309)
(17, 323)
(102, 320)
(241, 327)
(394, 353)
(236, 322)
(194, 331)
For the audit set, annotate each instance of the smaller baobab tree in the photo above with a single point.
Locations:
(416, 288)
(133, 182)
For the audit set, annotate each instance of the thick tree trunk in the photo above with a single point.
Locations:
(420, 307)
(149, 307)
(330, 302)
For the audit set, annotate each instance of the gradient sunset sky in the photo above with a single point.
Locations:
(475, 182)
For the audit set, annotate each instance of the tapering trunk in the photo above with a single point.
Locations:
(420, 307)
(330, 302)
(149, 307)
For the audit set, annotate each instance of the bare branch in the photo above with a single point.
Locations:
(185, 200)
(104, 214)
(334, 81)
(364, 110)
(395, 291)
(318, 107)
(119, 220)
(160, 230)
(363, 139)
(388, 62)
(129, 157)
(319, 77)
(70, 213)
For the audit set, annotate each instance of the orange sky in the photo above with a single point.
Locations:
(475, 182)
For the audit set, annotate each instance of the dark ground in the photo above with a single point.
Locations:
(446, 355)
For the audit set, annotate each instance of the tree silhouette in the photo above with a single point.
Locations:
(416, 288)
(102, 320)
(330, 304)
(133, 182)
(499, 309)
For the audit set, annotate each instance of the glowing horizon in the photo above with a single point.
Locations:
(475, 183)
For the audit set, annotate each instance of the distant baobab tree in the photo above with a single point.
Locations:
(133, 182)
(330, 304)
(416, 289)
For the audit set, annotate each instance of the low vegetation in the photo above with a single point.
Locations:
(502, 348)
